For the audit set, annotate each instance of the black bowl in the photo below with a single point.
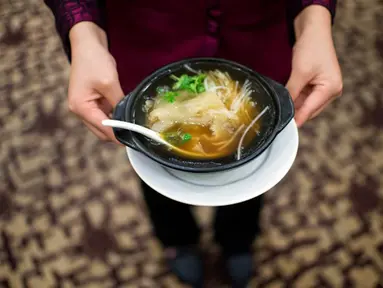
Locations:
(268, 93)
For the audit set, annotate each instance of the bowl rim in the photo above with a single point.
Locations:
(223, 167)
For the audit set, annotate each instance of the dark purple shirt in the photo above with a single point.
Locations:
(147, 34)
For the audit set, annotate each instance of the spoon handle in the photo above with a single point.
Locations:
(135, 128)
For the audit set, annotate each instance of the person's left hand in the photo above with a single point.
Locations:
(316, 78)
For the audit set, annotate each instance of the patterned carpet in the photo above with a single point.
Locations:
(71, 214)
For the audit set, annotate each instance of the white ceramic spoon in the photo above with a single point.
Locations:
(137, 128)
(156, 137)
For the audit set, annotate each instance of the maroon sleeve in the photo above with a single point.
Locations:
(294, 7)
(69, 12)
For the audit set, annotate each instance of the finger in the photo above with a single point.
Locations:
(95, 131)
(94, 116)
(105, 105)
(306, 91)
(314, 102)
(299, 101)
(100, 134)
(296, 83)
(321, 108)
(112, 91)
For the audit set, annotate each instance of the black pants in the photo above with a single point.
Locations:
(235, 225)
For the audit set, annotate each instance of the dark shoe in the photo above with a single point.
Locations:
(187, 265)
(240, 267)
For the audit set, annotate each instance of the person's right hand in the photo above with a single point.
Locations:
(94, 88)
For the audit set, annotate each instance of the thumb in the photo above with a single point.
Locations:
(296, 83)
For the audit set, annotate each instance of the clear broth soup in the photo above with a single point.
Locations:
(206, 114)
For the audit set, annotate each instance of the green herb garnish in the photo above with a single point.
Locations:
(170, 96)
(177, 138)
(199, 85)
(182, 83)
(185, 82)
(164, 91)
(189, 83)
(186, 137)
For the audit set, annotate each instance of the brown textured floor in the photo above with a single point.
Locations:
(71, 215)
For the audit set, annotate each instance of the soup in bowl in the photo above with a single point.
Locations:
(219, 114)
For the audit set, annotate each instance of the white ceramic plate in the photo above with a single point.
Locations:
(279, 158)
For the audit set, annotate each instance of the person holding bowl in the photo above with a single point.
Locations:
(114, 45)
